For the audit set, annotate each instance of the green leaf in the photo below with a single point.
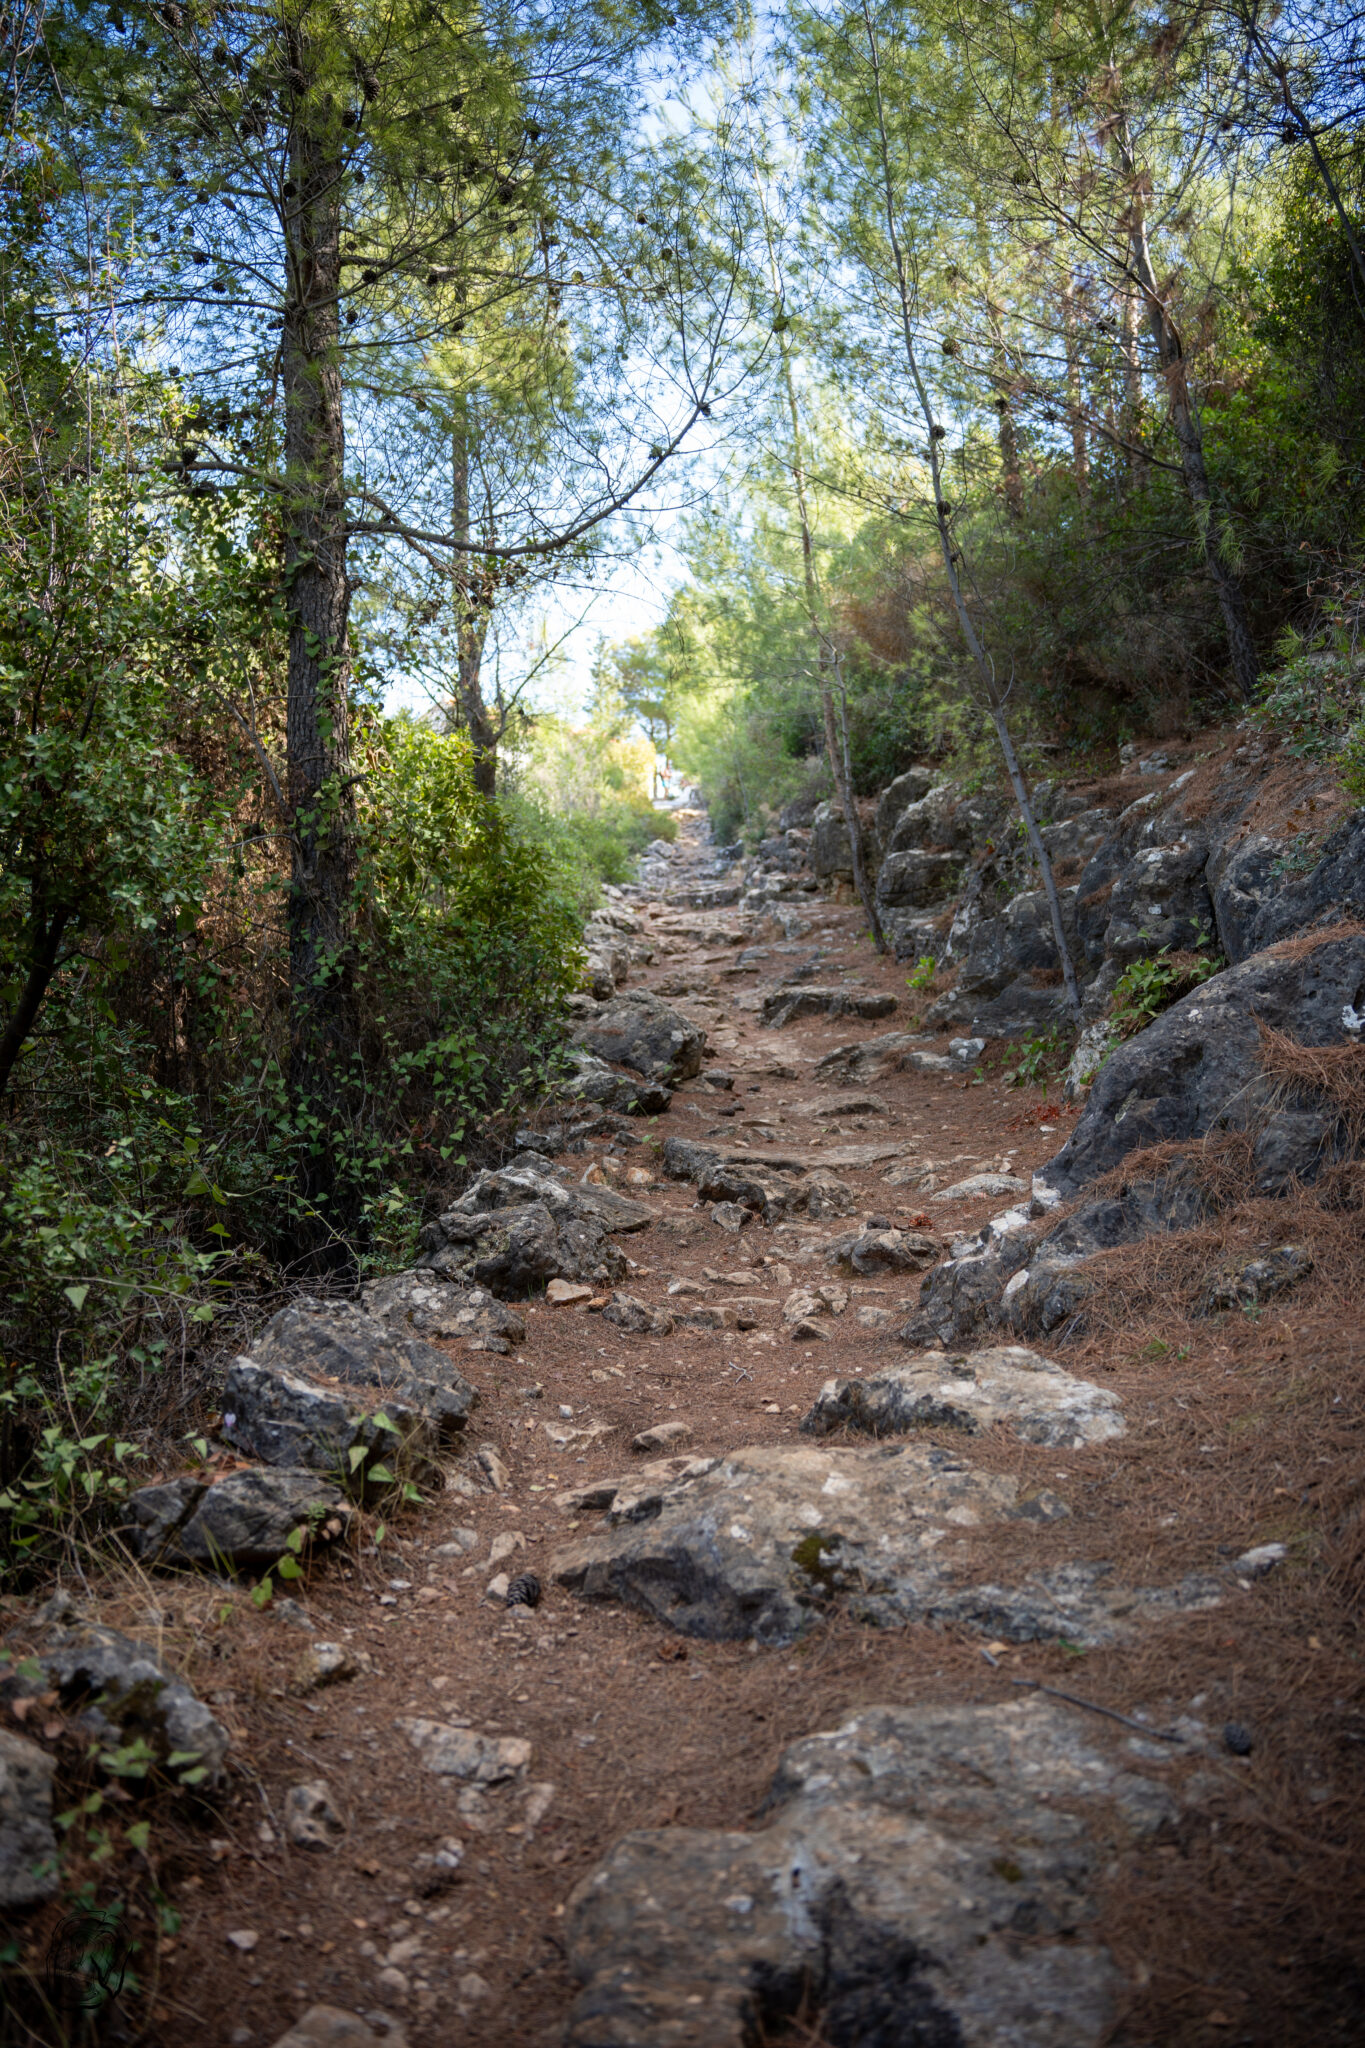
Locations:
(138, 1836)
(381, 1421)
(76, 1295)
(357, 1455)
(262, 1595)
(381, 1473)
(289, 1568)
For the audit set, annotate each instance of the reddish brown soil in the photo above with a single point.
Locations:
(1241, 1926)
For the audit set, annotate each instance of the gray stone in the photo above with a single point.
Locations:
(1196, 1066)
(730, 1216)
(310, 1819)
(515, 1251)
(245, 1520)
(979, 1186)
(1010, 978)
(1245, 1283)
(912, 880)
(961, 1298)
(284, 1419)
(417, 1301)
(28, 1846)
(592, 1080)
(338, 1342)
(642, 1032)
(513, 1187)
(121, 1689)
(1032, 1396)
(929, 822)
(1160, 899)
(923, 1878)
(883, 1251)
(831, 855)
(865, 1058)
(1293, 1146)
(1257, 903)
(787, 1006)
(626, 1312)
(896, 798)
(326, 2026)
(765, 1539)
(449, 1752)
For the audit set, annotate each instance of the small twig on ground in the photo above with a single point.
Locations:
(1093, 1707)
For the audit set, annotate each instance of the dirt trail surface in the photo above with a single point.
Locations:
(1036, 1720)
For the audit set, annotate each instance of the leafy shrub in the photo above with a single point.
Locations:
(1147, 987)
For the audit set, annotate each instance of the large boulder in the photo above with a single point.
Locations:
(783, 1006)
(643, 1033)
(1160, 901)
(1010, 979)
(28, 1847)
(517, 1250)
(418, 1302)
(1031, 1396)
(592, 1080)
(924, 1877)
(1196, 1068)
(340, 1343)
(286, 1419)
(246, 1520)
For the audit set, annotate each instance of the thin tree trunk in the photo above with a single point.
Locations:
(1171, 355)
(323, 1032)
(1009, 460)
(47, 941)
(996, 698)
(470, 628)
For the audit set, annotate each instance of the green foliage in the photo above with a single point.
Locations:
(1040, 1058)
(1148, 986)
(922, 974)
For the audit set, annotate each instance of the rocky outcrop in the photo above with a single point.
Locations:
(341, 1345)
(787, 1006)
(921, 1875)
(762, 1542)
(592, 1080)
(1196, 1068)
(299, 1423)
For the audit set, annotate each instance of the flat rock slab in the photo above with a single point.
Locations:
(1030, 1395)
(339, 1344)
(926, 1878)
(759, 1543)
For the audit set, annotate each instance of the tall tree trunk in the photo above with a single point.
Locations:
(471, 628)
(996, 698)
(1009, 459)
(323, 1030)
(45, 944)
(1171, 355)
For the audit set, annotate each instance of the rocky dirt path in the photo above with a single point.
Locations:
(1001, 1723)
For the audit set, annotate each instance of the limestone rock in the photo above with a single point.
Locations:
(663, 1436)
(1032, 1396)
(911, 880)
(627, 1312)
(896, 798)
(326, 2026)
(592, 1080)
(865, 1058)
(310, 1819)
(1256, 903)
(450, 1752)
(416, 1301)
(642, 1032)
(286, 1420)
(787, 1006)
(516, 1250)
(338, 1342)
(28, 1845)
(763, 1540)
(980, 1185)
(245, 1520)
(922, 1875)
(883, 1251)
(1196, 1065)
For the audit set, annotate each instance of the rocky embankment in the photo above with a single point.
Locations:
(788, 1639)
